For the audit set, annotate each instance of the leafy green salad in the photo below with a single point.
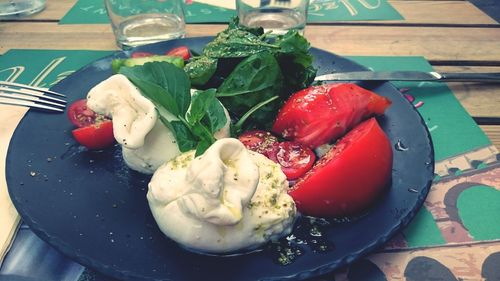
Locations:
(245, 70)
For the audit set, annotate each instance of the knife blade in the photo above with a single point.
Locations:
(409, 76)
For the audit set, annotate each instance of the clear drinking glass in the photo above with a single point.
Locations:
(18, 8)
(140, 22)
(277, 16)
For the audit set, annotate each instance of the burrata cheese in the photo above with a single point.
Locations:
(225, 200)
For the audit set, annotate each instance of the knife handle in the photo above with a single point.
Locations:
(493, 77)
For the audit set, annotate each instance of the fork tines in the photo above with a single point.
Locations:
(29, 96)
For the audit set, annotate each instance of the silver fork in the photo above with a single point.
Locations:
(24, 95)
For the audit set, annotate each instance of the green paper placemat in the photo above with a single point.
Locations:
(459, 215)
(44, 68)
(320, 11)
(452, 129)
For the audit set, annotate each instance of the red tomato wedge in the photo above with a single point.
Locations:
(95, 136)
(182, 51)
(321, 114)
(295, 159)
(350, 177)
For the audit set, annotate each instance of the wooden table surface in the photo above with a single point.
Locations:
(451, 35)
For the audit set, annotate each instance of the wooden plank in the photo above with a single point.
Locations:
(421, 11)
(493, 133)
(434, 43)
(46, 35)
(441, 12)
(479, 99)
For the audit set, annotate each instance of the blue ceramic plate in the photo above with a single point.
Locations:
(92, 208)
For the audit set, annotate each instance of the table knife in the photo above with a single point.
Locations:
(410, 76)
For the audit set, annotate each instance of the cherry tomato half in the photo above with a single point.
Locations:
(260, 141)
(321, 114)
(182, 51)
(80, 115)
(350, 177)
(95, 136)
(295, 159)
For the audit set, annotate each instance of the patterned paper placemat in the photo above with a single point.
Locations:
(456, 235)
(213, 11)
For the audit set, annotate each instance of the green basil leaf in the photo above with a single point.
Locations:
(205, 137)
(156, 94)
(185, 139)
(200, 101)
(165, 75)
(202, 147)
(216, 118)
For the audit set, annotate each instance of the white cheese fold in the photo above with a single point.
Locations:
(133, 114)
(146, 142)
